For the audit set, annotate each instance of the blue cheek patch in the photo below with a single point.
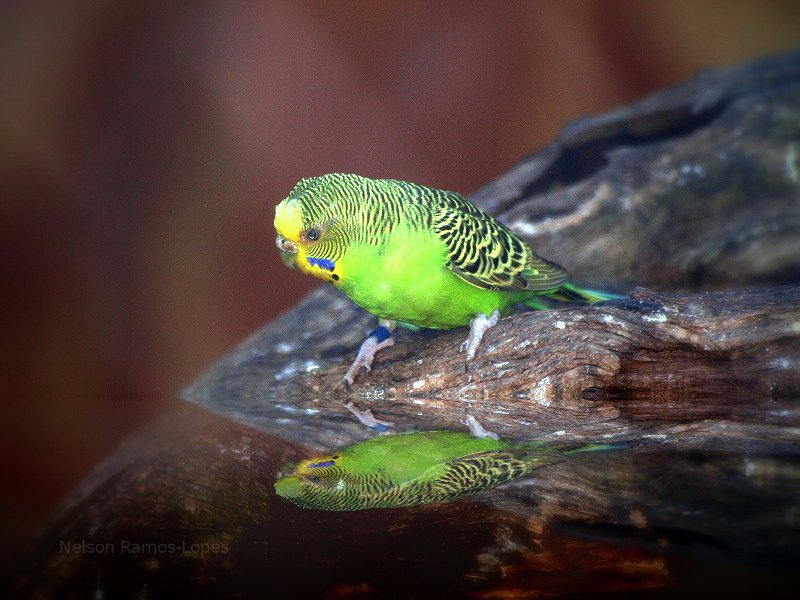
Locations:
(380, 333)
(322, 263)
(327, 463)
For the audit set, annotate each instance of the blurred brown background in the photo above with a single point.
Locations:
(143, 148)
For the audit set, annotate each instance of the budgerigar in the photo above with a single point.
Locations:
(413, 468)
(413, 255)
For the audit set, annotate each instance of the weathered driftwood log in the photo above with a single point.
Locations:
(693, 189)
(696, 370)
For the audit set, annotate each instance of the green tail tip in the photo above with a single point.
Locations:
(590, 296)
(597, 448)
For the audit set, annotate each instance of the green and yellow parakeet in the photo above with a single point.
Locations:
(413, 255)
(413, 468)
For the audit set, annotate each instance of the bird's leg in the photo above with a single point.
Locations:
(479, 431)
(367, 418)
(378, 338)
(477, 327)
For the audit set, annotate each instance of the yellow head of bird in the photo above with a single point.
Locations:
(294, 240)
(288, 224)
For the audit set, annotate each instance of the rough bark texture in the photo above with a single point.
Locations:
(694, 189)
(695, 370)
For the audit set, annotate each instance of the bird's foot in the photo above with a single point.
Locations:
(378, 339)
(367, 418)
(477, 327)
(479, 431)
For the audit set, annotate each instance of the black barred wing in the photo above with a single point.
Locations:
(476, 472)
(485, 253)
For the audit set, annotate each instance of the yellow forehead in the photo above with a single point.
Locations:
(289, 219)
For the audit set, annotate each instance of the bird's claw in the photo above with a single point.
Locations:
(477, 327)
(367, 418)
(479, 431)
(364, 359)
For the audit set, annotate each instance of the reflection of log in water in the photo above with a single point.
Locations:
(694, 188)
(201, 482)
(188, 504)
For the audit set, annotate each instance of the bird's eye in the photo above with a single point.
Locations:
(312, 234)
(313, 478)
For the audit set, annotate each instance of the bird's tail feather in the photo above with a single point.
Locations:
(547, 448)
(596, 448)
(572, 293)
(543, 453)
(537, 454)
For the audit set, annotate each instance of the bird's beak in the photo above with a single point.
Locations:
(288, 250)
(289, 487)
(287, 470)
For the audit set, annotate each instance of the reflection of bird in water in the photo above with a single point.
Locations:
(413, 468)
